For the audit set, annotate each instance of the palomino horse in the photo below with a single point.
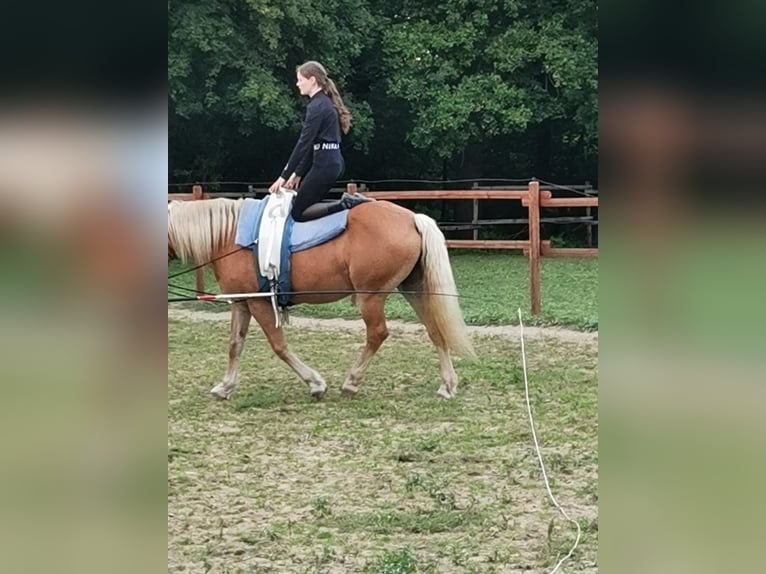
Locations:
(384, 247)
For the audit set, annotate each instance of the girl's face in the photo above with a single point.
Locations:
(306, 86)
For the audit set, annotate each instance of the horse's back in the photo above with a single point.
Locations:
(378, 250)
(383, 222)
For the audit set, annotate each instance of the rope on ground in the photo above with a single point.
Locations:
(537, 450)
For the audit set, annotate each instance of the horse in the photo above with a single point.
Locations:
(384, 247)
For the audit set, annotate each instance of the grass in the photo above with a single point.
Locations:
(391, 481)
(492, 285)
(394, 562)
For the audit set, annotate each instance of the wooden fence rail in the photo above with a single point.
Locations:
(532, 197)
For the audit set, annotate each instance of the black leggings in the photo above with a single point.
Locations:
(312, 190)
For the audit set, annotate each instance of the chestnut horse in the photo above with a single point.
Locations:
(384, 247)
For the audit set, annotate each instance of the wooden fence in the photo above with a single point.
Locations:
(533, 198)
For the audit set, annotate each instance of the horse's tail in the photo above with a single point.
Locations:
(440, 298)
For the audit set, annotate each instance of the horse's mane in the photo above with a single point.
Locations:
(197, 229)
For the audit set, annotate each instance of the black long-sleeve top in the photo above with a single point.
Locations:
(320, 126)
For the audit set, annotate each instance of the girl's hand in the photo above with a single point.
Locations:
(293, 182)
(276, 185)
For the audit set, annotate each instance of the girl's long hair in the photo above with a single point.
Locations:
(315, 69)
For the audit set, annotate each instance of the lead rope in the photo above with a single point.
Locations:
(537, 450)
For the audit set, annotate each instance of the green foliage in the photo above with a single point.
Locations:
(321, 506)
(474, 70)
(231, 70)
(505, 86)
(237, 58)
(399, 561)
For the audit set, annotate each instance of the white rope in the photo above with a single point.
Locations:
(537, 450)
(229, 296)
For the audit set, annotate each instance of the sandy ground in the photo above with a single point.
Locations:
(395, 327)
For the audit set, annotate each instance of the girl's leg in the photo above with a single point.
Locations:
(313, 189)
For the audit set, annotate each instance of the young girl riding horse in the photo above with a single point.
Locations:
(316, 158)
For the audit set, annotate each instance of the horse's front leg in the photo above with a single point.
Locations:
(240, 323)
(264, 314)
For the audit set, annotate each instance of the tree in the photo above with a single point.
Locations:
(473, 71)
(231, 71)
(437, 89)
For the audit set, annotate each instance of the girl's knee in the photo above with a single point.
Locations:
(298, 216)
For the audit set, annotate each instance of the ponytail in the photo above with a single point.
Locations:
(317, 70)
(344, 116)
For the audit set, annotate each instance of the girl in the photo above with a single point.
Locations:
(316, 158)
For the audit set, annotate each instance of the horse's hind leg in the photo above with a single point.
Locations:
(240, 323)
(372, 309)
(264, 314)
(448, 375)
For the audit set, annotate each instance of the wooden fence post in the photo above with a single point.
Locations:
(534, 246)
(475, 218)
(588, 213)
(200, 273)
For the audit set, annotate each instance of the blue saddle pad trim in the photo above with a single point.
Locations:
(298, 236)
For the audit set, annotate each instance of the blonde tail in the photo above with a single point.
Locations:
(440, 299)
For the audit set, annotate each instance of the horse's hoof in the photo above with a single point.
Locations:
(349, 391)
(219, 393)
(317, 389)
(443, 393)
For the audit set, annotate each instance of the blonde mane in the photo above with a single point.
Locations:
(197, 229)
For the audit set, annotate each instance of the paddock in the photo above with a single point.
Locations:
(391, 480)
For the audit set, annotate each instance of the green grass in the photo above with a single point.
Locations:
(394, 562)
(391, 481)
(492, 285)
